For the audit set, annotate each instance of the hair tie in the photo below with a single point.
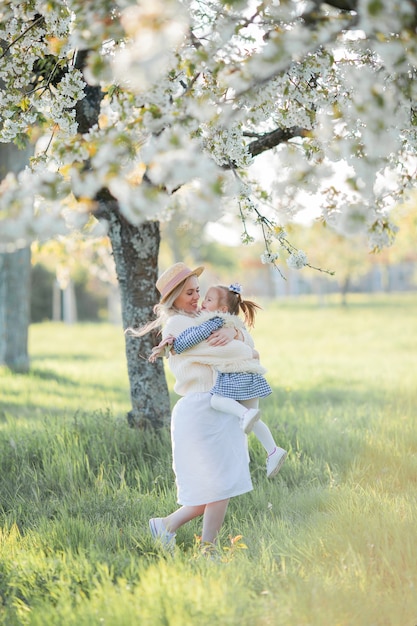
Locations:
(236, 288)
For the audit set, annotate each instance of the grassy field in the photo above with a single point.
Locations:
(330, 542)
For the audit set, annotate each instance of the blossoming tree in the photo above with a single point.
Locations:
(140, 108)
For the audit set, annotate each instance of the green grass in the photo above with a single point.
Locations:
(329, 542)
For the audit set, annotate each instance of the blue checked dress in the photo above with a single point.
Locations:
(235, 385)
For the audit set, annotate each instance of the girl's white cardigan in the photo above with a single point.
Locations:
(196, 369)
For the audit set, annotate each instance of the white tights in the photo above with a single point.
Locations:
(239, 408)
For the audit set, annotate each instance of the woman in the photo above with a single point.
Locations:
(210, 458)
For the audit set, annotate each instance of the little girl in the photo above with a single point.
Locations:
(238, 387)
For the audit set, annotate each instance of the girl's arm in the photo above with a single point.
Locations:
(162, 349)
(186, 339)
(196, 334)
(203, 352)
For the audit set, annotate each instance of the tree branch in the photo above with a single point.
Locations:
(270, 140)
(87, 109)
(343, 5)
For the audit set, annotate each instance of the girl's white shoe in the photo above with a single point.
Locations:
(275, 461)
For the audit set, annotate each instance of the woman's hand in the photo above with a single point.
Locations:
(222, 336)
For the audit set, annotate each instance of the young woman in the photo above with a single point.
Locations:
(210, 458)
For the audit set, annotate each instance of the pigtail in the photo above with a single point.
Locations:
(249, 310)
(235, 303)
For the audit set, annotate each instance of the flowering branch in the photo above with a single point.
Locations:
(22, 35)
(297, 259)
(274, 138)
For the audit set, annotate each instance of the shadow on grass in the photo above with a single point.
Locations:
(33, 412)
(66, 381)
(62, 356)
(52, 375)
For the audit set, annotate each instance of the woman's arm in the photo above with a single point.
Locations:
(203, 352)
(219, 355)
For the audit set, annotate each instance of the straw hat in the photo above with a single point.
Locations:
(173, 276)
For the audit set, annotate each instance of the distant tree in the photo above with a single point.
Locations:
(347, 257)
(42, 282)
(15, 268)
(405, 215)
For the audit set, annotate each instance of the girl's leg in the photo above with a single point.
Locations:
(213, 519)
(247, 415)
(260, 429)
(252, 403)
(227, 405)
(276, 455)
(264, 435)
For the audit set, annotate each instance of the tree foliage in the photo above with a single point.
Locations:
(190, 92)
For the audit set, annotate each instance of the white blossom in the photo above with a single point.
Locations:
(155, 29)
(297, 260)
(353, 220)
(269, 257)
(381, 234)
(384, 15)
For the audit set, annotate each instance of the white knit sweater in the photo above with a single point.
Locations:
(196, 369)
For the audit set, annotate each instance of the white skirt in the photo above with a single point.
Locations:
(210, 452)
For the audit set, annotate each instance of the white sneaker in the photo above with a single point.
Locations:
(275, 461)
(161, 534)
(248, 421)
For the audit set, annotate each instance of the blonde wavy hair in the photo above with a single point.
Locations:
(162, 310)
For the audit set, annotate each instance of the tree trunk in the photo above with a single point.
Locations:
(69, 304)
(56, 302)
(15, 271)
(15, 309)
(344, 290)
(135, 250)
